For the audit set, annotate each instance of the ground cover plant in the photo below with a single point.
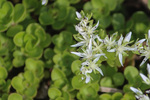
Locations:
(74, 49)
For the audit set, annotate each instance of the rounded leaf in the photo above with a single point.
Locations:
(75, 66)
(57, 74)
(15, 96)
(53, 93)
(117, 96)
(17, 83)
(13, 30)
(130, 73)
(106, 82)
(118, 79)
(3, 73)
(18, 39)
(19, 13)
(77, 82)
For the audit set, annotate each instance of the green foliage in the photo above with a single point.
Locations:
(15, 96)
(35, 49)
(130, 74)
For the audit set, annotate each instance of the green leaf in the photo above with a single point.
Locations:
(33, 51)
(111, 4)
(88, 93)
(118, 21)
(57, 26)
(105, 97)
(17, 83)
(13, 30)
(117, 96)
(106, 82)
(75, 66)
(60, 83)
(130, 73)
(31, 91)
(73, 1)
(60, 98)
(53, 93)
(3, 73)
(97, 3)
(2, 83)
(46, 42)
(57, 74)
(29, 76)
(15, 96)
(126, 88)
(105, 21)
(18, 39)
(77, 82)
(110, 71)
(48, 53)
(19, 13)
(31, 5)
(46, 18)
(40, 34)
(18, 61)
(118, 79)
(128, 96)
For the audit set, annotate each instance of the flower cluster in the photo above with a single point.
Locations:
(92, 47)
(139, 95)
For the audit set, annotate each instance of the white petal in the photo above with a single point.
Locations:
(100, 71)
(85, 63)
(128, 37)
(148, 34)
(120, 40)
(99, 39)
(88, 71)
(145, 79)
(129, 49)
(148, 68)
(141, 41)
(44, 2)
(90, 45)
(144, 60)
(79, 29)
(136, 91)
(144, 97)
(120, 59)
(78, 15)
(87, 79)
(96, 59)
(111, 50)
(78, 44)
(95, 27)
(99, 55)
(78, 54)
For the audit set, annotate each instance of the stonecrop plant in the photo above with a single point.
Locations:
(74, 49)
(91, 47)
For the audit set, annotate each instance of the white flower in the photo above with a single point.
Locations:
(86, 71)
(146, 51)
(122, 47)
(110, 42)
(138, 45)
(88, 53)
(88, 67)
(146, 79)
(139, 95)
